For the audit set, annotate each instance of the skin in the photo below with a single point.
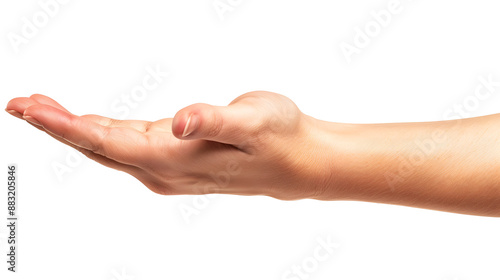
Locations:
(262, 144)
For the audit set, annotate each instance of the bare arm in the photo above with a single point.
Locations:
(448, 165)
(261, 144)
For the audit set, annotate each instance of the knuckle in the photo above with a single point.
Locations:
(98, 141)
(147, 126)
(217, 124)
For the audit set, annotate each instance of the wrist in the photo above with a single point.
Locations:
(336, 154)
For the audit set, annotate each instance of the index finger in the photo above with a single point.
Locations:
(122, 144)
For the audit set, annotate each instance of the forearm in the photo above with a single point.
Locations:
(449, 165)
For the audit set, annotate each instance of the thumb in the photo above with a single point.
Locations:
(226, 124)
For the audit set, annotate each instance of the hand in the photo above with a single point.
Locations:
(260, 144)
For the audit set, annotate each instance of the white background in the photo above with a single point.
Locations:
(97, 223)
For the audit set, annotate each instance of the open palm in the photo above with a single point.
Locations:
(201, 150)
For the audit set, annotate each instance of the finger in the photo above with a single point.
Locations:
(14, 113)
(141, 126)
(136, 124)
(20, 104)
(124, 145)
(17, 105)
(133, 170)
(226, 124)
(42, 99)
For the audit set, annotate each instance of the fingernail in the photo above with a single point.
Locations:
(14, 113)
(191, 125)
(32, 120)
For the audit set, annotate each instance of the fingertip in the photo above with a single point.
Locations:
(14, 113)
(18, 105)
(11, 105)
(192, 123)
(179, 123)
(34, 95)
(32, 120)
(187, 120)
